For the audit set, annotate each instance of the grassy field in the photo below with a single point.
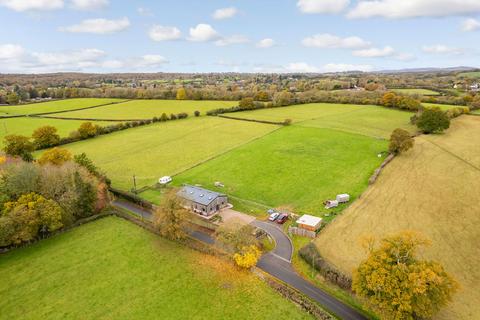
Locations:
(296, 166)
(423, 92)
(26, 126)
(432, 189)
(147, 109)
(150, 152)
(111, 269)
(53, 106)
(367, 120)
(473, 74)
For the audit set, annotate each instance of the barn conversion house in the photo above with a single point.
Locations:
(202, 201)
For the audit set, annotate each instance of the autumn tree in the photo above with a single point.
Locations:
(87, 130)
(56, 156)
(262, 96)
(400, 141)
(18, 146)
(45, 137)
(246, 103)
(13, 98)
(181, 94)
(235, 235)
(247, 257)
(398, 284)
(433, 120)
(171, 217)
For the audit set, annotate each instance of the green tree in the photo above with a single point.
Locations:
(164, 117)
(87, 163)
(234, 236)
(262, 96)
(87, 130)
(18, 146)
(13, 98)
(398, 284)
(45, 137)
(86, 197)
(181, 94)
(171, 217)
(56, 156)
(400, 141)
(433, 120)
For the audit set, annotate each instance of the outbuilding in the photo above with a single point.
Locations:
(165, 180)
(202, 201)
(309, 222)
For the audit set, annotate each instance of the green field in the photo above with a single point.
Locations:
(147, 109)
(472, 75)
(26, 126)
(296, 166)
(152, 151)
(111, 269)
(423, 92)
(367, 120)
(53, 106)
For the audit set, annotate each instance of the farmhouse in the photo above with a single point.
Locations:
(202, 201)
(308, 222)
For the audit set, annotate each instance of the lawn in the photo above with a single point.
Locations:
(53, 106)
(111, 269)
(152, 151)
(147, 109)
(423, 92)
(26, 126)
(373, 121)
(432, 189)
(472, 75)
(296, 166)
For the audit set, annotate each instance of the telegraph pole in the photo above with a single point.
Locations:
(134, 185)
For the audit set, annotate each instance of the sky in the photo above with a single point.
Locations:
(40, 36)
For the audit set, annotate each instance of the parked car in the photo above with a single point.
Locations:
(273, 216)
(270, 211)
(282, 218)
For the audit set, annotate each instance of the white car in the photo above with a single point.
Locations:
(273, 216)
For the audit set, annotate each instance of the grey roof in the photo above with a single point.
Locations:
(198, 195)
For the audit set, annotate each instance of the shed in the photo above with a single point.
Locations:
(165, 180)
(342, 198)
(309, 222)
(202, 201)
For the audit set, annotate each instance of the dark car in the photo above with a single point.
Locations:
(282, 218)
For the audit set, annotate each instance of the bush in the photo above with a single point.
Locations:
(45, 137)
(287, 122)
(182, 115)
(433, 120)
(164, 117)
(197, 113)
(246, 103)
(18, 146)
(247, 257)
(173, 117)
(56, 156)
(400, 141)
(87, 130)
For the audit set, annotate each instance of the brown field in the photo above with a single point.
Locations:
(434, 189)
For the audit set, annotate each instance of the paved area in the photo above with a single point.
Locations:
(283, 245)
(229, 215)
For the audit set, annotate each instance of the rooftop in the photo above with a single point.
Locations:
(309, 220)
(198, 195)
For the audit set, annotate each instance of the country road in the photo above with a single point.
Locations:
(276, 263)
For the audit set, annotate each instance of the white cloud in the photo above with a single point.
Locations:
(265, 43)
(89, 4)
(225, 13)
(203, 32)
(470, 25)
(374, 52)
(330, 41)
(442, 49)
(322, 6)
(99, 26)
(151, 60)
(300, 67)
(396, 9)
(235, 39)
(32, 5)
(113, 64)
(404, 56)
(69, 58)
(144, 11)
(11, 51)
(341, 67)
(163, 33)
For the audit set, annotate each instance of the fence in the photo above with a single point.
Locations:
(301, 232)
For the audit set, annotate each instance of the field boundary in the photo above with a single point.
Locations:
(77, 109)
(453, 154)
(251, 120)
